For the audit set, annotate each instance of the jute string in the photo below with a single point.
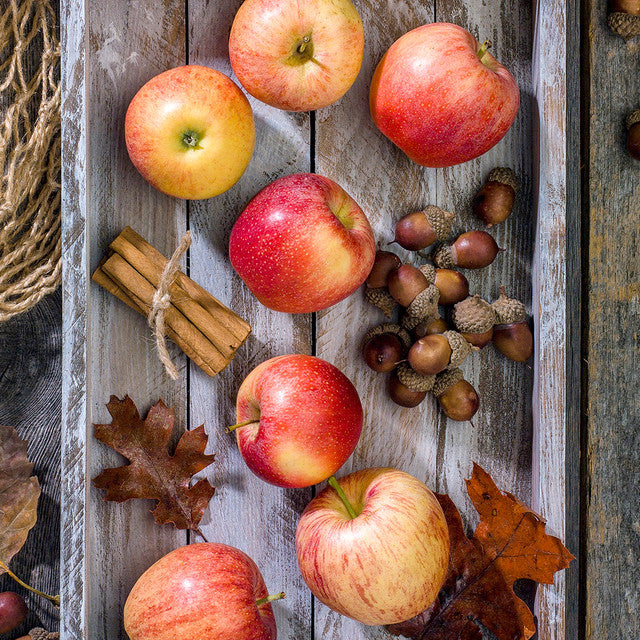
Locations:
(162, 301)
(30, 265)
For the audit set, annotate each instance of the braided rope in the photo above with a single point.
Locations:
(30, 244)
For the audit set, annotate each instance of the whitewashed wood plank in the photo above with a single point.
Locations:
(114, 353)
(386, 184)
(247, 513)
(550, 296)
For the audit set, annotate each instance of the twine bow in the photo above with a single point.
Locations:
(162, 301)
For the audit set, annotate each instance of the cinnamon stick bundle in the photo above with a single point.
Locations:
(207, 331)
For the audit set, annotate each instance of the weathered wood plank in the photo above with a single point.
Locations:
(611, 526)
(104, 193)
(246, 512)
(30, 354)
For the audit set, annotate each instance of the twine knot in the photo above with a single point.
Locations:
(162, 301)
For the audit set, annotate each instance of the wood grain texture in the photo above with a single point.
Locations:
(247, 513)
(30, 354)
(611, 522)
(422, 441)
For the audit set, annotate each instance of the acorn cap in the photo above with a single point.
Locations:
(382, 299)
(429, 272)
(42, 634)
(440, 221)
(445, 380)
(633, 118)
(625, 25)
(413, 380)
(508, 310)
(443, 257)
(389, 327)
(425, 305)
(473, 315)
(505, 176)
(460, 348)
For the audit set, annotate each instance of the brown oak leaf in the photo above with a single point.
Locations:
(510, 543)
(19, 494)
(154, 473)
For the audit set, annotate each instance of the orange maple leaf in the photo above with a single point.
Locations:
(153, 473)
(510, 543)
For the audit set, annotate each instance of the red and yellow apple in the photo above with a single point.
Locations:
(384, 562)
(190, 132)
(441, 97)
(297, 56)
(302, 419)
(203, 590)
(302, 244)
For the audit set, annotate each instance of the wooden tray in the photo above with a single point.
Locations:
(110, 49)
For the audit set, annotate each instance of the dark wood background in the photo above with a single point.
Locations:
(607, 593)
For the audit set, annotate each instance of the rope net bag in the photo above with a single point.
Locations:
(30, 245)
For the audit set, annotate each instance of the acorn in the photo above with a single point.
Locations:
(408, 388)
(633, 133)
(471, 250)
(494, 202)
(406, 283)
(624, 18)
(418, 230)
(424, 306)
(435, 353)
(474, 319)
(385, 262)
(382, 299)
(512, 335)
(430, 327)
(384, 346)
(456, 397)
(453, 286)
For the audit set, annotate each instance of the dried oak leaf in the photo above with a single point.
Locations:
(19, 493)
(153, 473)
(509, 543)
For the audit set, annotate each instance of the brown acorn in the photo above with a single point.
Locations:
(456, 397)
(624, 18)
(384, 263)
(494, 202)
(512, 335)
(418, 230)
(453, 286)
(406, 283)
(432, 354)
(384, 346)
(471, 250)
(429, 327)
(425, 305)
(382, 299)
(408, 388)
(474, 319)
(633, 133)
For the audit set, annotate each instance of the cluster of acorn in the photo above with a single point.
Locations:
(423, 352)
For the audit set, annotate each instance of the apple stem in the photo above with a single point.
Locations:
(272, 598)
(233, 427)
(303, 46)
(54, 599)
(343, 496)
(484, 48)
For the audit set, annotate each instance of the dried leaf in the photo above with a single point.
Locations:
(19, 493)
(509, 543)
(153, 473)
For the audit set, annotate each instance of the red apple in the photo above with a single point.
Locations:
(387, 560)
(441, 97)
(302, 244)
(202, 590)
(190, 132)
(294, 55)
(304, 417)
